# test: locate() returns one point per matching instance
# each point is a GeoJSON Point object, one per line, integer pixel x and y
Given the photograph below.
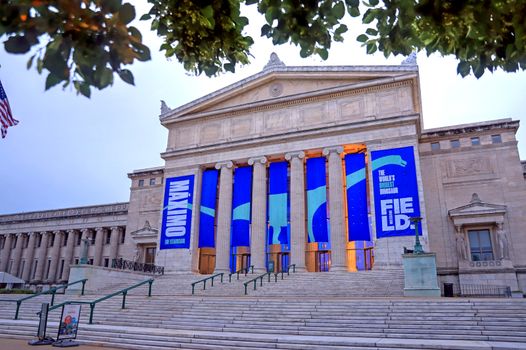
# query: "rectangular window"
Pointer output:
{"type": "Point", "coordinates": [455, 143]}
{"type": "Point", "coordinates": [79, 238]}
{"type": "Point", "coordinates": [141, 183]}
{"type": "Point", "coordinates": [61, 268]}
{"type": "Point", "coordinates": [90, 262]}
{"type": "Point", "coordinates": [39, 241]}
{"type": "Point", "coordinates": [152, 182]}
{"type": "Point", "coordinates": [13, 242]}
{"type": "Point", "coordinates": [475, 141]}
{"type": "Point", "coordinates": [123, 236]}
{"type": "Point", "coordinates": [435, 146]}
{"type": "Point", "coordinates": [108, 237]}
{"type": "Point", "coordinates": [480, 245]}
{"type": "Point", "coordinates": [26, 242]}
{"type": "Point", "coordinates": [47, 270]}
{"type": "Point", "coordinates": [496, 139]}
{"type": "Point", "coordinates": [2, 242]}
{"type": "Point", "coordinates": [76, 261]}
{"type": "Point", "coordinates": [34, 269]}
{"type": "Point", "coordinates": [106, 262]}
{"type": "Point", "coordinates": [51, 241]}
{"type": "Point", "coordinates": [65, 241]}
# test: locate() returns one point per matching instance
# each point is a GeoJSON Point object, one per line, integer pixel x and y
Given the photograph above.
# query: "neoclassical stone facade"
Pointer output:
{"type": "Point", "coordinates": [268, 172]}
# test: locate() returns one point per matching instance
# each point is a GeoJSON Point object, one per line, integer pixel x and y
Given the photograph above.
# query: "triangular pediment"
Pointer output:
{"type": "Point", "coordinates": [476, 207]}
{"type": "Point", "coordinates": [147, 232]}
{"type": "Point", "coordinates": [277, 84]}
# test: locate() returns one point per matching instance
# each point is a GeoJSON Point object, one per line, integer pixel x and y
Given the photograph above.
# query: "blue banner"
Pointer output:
{"type": "Point", "coordinates": [357, 216]}
{"type": "Point", "coordinates": [207, 213]}
{"type": "Point", "coordinates": [240, 234]}
{"type": "Point", "coordinates": [395, 191]}
{"type": "Point", "coordinates": [317, 200]}
{"type": "Point", "coordinates": [278, 204]}
{"type": "Point", "coordinates": [177, 212]}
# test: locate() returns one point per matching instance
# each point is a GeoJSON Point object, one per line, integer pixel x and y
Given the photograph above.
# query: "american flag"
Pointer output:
{"type": "Point", "coordinates": [6, 117]}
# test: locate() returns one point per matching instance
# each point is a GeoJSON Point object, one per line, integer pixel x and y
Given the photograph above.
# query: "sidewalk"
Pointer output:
{"type": "Point", "coordinates": [21, 344]}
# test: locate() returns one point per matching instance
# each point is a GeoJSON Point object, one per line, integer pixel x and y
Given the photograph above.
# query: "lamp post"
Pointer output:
{"type": "Point", "coordinates": [418, 247]}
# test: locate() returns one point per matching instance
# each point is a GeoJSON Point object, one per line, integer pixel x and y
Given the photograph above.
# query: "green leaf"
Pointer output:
{"type": "Point", "coordinates": [145, 17]}
{"type": "Point", "coordinates": [17, 44]}
{"type": "Point", "coordinates": [251, 2]}
{"type": "Point", "coordinates": [265, 30]}
{"type": "Point", "coordinates": [371, 31]}
{"type": "Point", "coordinates": [208, 12]}
{"type": "Point", "coordinates": [354, 11]}
{"type": "Point", "coordinates": [85, 89]}
{"type": "Point", "coordinates": [338, 10]}
{"type": "Point", "coordinates": [353, 3]}
{"type": "Point", "coordinates": [463, 68]}
{"type": "Point", "coordinates": [341, 29]}
{"type": "Point", "coordinates": [371, 48]}
{"type": "Point", "coordinates": [362, 38]}
{"type": "Point", "coordinates": [127, 13]}
{"type": "Point", "coordinates": [106, 78]}
{"type": "Point", "coordinates": [126, 76]}
{"type": "Point", "coordinates": [478, 71]}
{"type": "Point", "coordinates": [323, 53]}
{"type": "Point", "coordinates": [230, 67]}
{"type": "Point", "coordinates": [368, 17]}
{"type": "Point", "coordinates": [52, 80]}
{"type": "Point", "coordinates": [111, 5]}
{"type": "Point", "coordinates": [30, 62]}
{"type": "Point", "coordinates": [373, 2]}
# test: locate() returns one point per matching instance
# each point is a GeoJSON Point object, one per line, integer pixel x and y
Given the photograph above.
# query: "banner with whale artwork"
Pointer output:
{"type": "Point", "coordinates": [207, 212]}
{"type": "Point", "coordinates": [278, 204]}
{"type": "Point", "coordinates": [317, 227]}
{"type": "Point", "coordinates": [242, 197]}
{"type": "Point", "coordinates": [357, 216]}
{"type": "Point", "coordinates": [177, 212]}
{"type": "Point", "coordinates": [395, 191]}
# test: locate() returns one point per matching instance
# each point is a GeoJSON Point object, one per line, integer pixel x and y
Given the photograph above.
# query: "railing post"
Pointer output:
{"type": "Point", "coordinates": [18, 303]}
{"type": "Point", "coordinates": [245, 288]}
{"type": "Point", "coordinates": [212, 284]}
{"type": "Point", "coordinates": [92, 307]}
{"type": "Point", "coordinates": [222, 277]}
{"type": "Point", "coordinates": [124, 299]}
{"type": "Point", "coordinates": [83, 284]}
{"type": "Point", "coordinates": [255, 282]}
{"type": "Point", "coordinates": [150, 282]}
{"type": "Point", "coordinates": [275, 277]}
{"type": "Point", "coordinates": [204, 285]}
{"type": "Point", "coordinates": [193, 285]}
{"type": "Point", "coordinates": [268, 278]}
{"type": "Point", "coordinates": [229, 278]}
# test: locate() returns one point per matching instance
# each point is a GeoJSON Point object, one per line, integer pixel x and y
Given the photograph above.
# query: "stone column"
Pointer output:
{"type": "Point", "coordinates": [17, 255]}
{"type": "Point", "coordinates": [258, 232]}
{"type": "Point", "coordinates": [84, 250]}
{"type": "Point", "coordinates": [29, 256]}
{"type": "Point", "coordinates": [97, 258]}
{"type": "Point", "coordinates": [297, 209]}
{"type": "Point", "coordinates": [224, 217]}
{"type": "Point", "coordinates": [6, 252]}
{"type": "Point", "coordinates": [337, 228]}
{"type": "Point", "coordinates": [55, 256]}
{"type": "Point", "coordinates": [70, 248]}
{"type": "Point", "coordinates": [42, 255]}
{"type": "Point", "coordinates": [114, 242]}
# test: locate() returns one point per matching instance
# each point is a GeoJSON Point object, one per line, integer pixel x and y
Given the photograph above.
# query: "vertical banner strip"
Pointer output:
{"type": "Point", "coordinates": [355, 184]}
{"type": "Point", "coordinates": [241, 207]}
{"type": "Point", "coordinates": [177, 212]}
{"type": "Point", "coordinates": [395, 191]}
{"type": "Point", "coordinates": [207, 212]}
{"type": "Point", "coordinates": [317, 200]}
{"type": "Point", "coordinates": [278, 204]}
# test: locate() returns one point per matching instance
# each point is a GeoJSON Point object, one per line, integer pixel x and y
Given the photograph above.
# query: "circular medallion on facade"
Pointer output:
{"type": "Point", "coordinates": [276, 89]}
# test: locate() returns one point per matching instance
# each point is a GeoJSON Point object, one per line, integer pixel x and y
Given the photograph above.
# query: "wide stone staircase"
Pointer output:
{"type": "Point", "coordinates": [302, 311]}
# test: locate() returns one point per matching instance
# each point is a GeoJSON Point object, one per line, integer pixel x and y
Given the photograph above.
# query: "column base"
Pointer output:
{"type": "Point", "coordinates": [338, 269]}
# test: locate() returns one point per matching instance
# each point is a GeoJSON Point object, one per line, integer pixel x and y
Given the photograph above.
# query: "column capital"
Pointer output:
{"type": "Point", "coordinates": [72, 231]}
{"type": "Point", "coordinates": [334, 149]}
{"type": "Point", "coordinates": [115, 228]}
{"type": "Point", "coordinates": [44, 233]}
{"type": "Point", "coordinates": [224, 164]}
{"type": "Point", "coordinates": [295, 154]}
{"type": "Point", "coordinates": [254, 160]}
{"type": "Point", "coordinates": [57, 232]}
{"type": "Point", "coordinates": [99, 229]}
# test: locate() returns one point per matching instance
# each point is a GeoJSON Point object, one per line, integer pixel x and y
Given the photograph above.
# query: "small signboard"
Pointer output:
{"type": "Point", "coordinates": [69, 323]}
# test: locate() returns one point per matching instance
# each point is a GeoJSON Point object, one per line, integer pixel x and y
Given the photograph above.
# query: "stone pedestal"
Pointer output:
{"type": "Point", "coordinates": [420, 275]}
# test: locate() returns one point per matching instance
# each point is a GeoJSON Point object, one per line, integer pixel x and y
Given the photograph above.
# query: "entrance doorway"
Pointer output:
{"type": "Point", "coordinates": [282, 262]}
{"type": "Point", "coordinates": [149, 255]}
{"type": "Point", "coordinates": [323, 260]}
{"type": "Point", "coordinates": [207, 260]}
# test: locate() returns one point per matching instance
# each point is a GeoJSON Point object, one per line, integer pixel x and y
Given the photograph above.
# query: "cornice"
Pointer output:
{"type": "Point", "coordinates": [67, 213]}
{"type": "Point", "coordinates": [297, 99]}
{"type": "Point", "coordinates": [292, 71]}
{"type": "Point", "coordinates": [498, 124]}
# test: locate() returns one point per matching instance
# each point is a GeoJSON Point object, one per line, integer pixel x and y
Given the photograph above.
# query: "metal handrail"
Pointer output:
{"type": "Point", "coordinates": [243, 270]}
{"type": "Point", "coordinates": [123, 264]}
{"type": "Point", "coordinates": [92, 304]}
{"type": "Point", "coordinates": [260, 277]}
{"type": "Point", "coordinates": [206, 279]}
{"type": "Point", "coordinates": [51, 291]}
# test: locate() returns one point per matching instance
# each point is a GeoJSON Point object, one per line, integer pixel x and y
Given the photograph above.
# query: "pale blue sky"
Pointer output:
{"type": "Point", "coordinates": [71, 151]}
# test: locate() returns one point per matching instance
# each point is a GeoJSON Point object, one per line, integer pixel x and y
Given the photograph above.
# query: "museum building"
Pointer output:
{"type": "Point", "coordinates": [327, 168]}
